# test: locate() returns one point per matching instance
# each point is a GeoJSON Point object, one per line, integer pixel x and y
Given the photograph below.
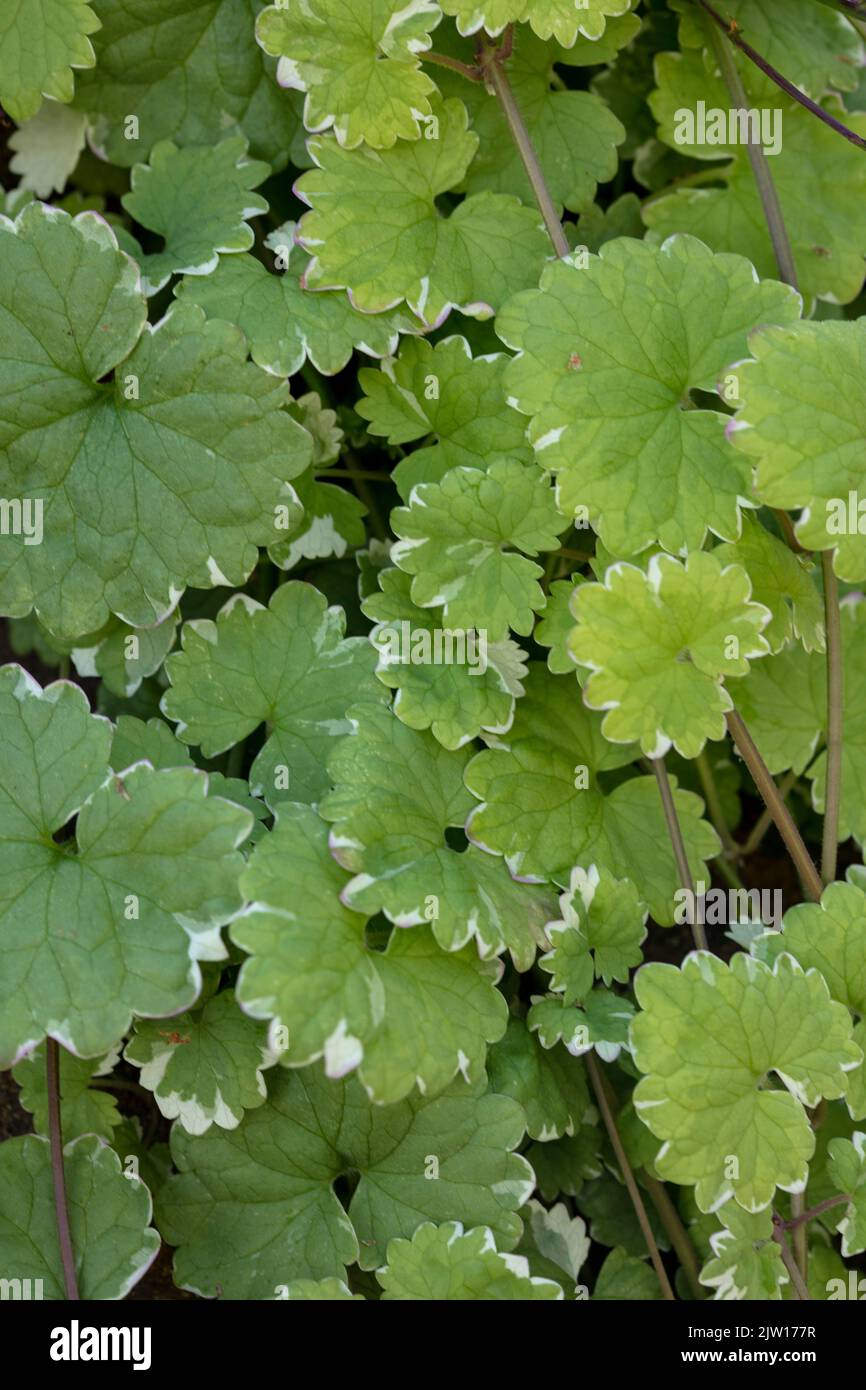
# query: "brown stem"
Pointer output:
{"type": "Point", "coordinates": [55, 1139]}
{"type": "Point", "coordinates": [833, 627]}
{"type": "Point", "coordinates": [678, 845]}
{"type": "Point", "coordinates": [782, 817]}
{"type": "Point", "coordinates": [787, 527]}
{"type": "Point", "coordinates": [788, 1260]}
{"type": "Point", "coordinates": [676, 1231]}
{"type": "Point", "coordinates": [802, 1217]}
{"type": "Point", "coordinates": [474, 74]}
{"type": "Point", "coordinates": [765, 820]}
{"type": "Point", "coordinates": [625, 1168]}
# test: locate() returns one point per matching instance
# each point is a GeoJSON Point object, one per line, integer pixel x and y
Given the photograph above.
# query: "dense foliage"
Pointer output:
{"type": "Point", "coordinates": [433, 472]}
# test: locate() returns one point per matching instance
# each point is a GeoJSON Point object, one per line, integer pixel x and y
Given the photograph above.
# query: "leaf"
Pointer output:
{"type": "Point", "coordinates": [287, 666]}
{"type": "Point", "coordinates": [601, 1024]}
{"type": "Point", "coordinates": [552, 764]}
{"type": "Point", "coordinates": [598, 935]}
{"type": "Point", "coordinates": [554, 1242]}
{"type": "Point", "coordinates": [819, 179]}
{"type": "Point", "coordinates": [47, 147]}
{"type": "Point", "coordinates": [376, 230]}
{"type": "Point", "coordinates": [443, 683]}
{"type": "Point", "coordinates": [562, 19]}
{"type": "Point", "coordinates": [782, 581]}
{"type": "Point", "coordinates": [453, 539]}
{"type": "Point", "coordinates": [254, 1207]}
{"type": "Point", "coordinates": [168, 62]}
{"type": "Point", "coordinates": [848, 1170]}
{"type": "Point", "coordinates": [122, 656]}
{"type": "Point", "coordinates": [109, 1218]}
{"type": "Point", "coordinates": [607, 357]}
{"type": "Point", "coordinates": [42, 43]}
{"type": "Point", "coordinates": [321, 1291]}
{"type": "Point", "coordinates": [829, 936]}
{"type": "Point", "coordinates": [205, 1067]}
{"type": "Point", "coordinates": [443, 1264]}
{"type": "Point", "coordinates": [624, 1276]}
{"type": "Point", "coordinates": [285, 325]}
{"type": "Point", "coordinates": [703, 1091]}
{"type": "Point", "coordinates": [83, 1111]}
{"type": "Point", "coordinates": [659, 644]}
{"type": "Point", "coordinates": [441, 389]}
{"type": "Point", "coordinates": [804, 422]}
{"type": "Point", "coordinates": [784, 703]}
{"type": "Point", "coordinates": [612, 1217]}
{"type": "Point", "coordinates": [188, 441]}
{"type": "Point", "coordinates": [549, 1086]}
{"type": "Point", "coordinates": [409, 1015]}
{"type": "Point", "coordinates": [198, 199]}
{"type": "Point", "coordinates": [563, 1164]}
{"type": "Point", "coordinates": [747, 1261]}
{"type": "Point", "coordinates": [147, 880]}
{"type": "Point", "coordinates": [390, 833]}
{"type": "Point", "coordinates": [555, 624]}
{"type": "Point", "coordinates": [358, 65]}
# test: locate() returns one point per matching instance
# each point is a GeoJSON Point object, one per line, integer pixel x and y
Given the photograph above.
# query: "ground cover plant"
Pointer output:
{"type": "Point", "coordinates": [433, 710]}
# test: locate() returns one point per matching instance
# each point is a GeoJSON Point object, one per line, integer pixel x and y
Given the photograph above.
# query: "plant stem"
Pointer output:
{"type": "Point", "coordinates": [728, 872]}
{"type": "Point", "coordinates": [782, 817]}
{"type": "Point", "coordinates": [494, 71]}
{"type": "Point", "coordinates": [733, 35]}
{"type": "Point", "coordinates": [787, 528]}
{"type": "Point", "coordinates": [757, 158]}
{"type": "Point", "coordinates": [356, 473]}
{"type": "Point", "coordinates": [55, 1138]}
{"type": "Point", "coordinates": [763, 824]}
{"type": "Point", "coordinates": [607, 1115]}
{"type": "Point", "coordinates": [817, 1210]}
{"type": "Point", "coordinates": [676, 839]}
{"type": "Point", "coordinates": [714, 802]}
{"type": "Point", "coordinates": [788, 1260]}
{"type": "Point", "coordinates": [369, 475]}
{"type": "Point", "coordinates": [443, 60]}
{"type": "Point", "coordinates": [799, 1233]}
{"type": "Point", "coordinates": [114, 1083]}
{"type": "Point", "coordinates": [833, 798]}
{"type": "Point", "coordinates": [677, 1233]}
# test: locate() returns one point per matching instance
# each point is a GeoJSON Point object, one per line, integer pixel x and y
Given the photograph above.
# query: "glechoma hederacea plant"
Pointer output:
{"type": "Point", "coordinates": [433, 528]}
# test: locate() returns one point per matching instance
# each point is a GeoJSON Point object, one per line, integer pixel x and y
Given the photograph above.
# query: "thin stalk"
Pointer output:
{"type": "Point", "coordinates": [628, 1176]}
{"type": "Point", "coordinates": [817, 1210]}
{"type": "Point", "coordinates": [494, 71]}
{"type": "Point", "coordinates": [443, 60]}
{"type": "Point", "coordinates": [676, 1232]}
{"type": "Point", "coordinates": [782, 817]}
{"type": "Point", "coordinates": [369, 475]}
{"type": "Point", "coordinates": [757, 158]}
{"type": "Point", "coordinates": [63, 668]}
{"type": "Point", "coordinates": [714, 803]}
{"type": "Point", "coordinates": [365, 495]}
{"type": "Point", "coordinates": [235, 760]}
{"type": "Point", "coordinates": [113, 1083]}
{"type": "Point", "coordinates": [55, 1139]}
{"type": "Point", "coordinates": [799, 1233]}
{"type": "Point", "coordinates": [787, 528]}
{"type": "Point", "coordinates": [788, 1260]}
{"type": "Point", "coordinates": [728, 872]}
{"type": "Point", "coordinates": [678, 845]}
{"type": "Point", "coordinates": [732, 33]}
{"type": "Point", "coordinates": [765, 820]}
{"type": "Point", "coordinates": [833, 628]}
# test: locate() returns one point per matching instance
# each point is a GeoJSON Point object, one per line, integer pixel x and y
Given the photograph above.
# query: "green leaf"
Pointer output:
{"type": "Point", "coordinates": [562, 19]}
{"type": "Point", "coordinates": [390, 832]}
{"type": "Point", "coordinates": [554, 1242]}
{"type": "Point", "coordinates": [444, 682]}
{"type": "Point", "coordinates": [188, 441]}
{"type": "Point", "coordinates": [412, 1014]}
{"type": "Point", "coordinates": [819, 179]}
{"type": "Point", "coordinates": [802, 418]}
{"type": "Point", "coordinates": [376, 230]}
{"type": "Point", "coordinates": [609, 349]}
{"type": "Point", "coordinates": [109, 1218]}
{"type": "Point", "coordinates": [287, 666]}
{"type": "Point", "coordinates": [612, 1216]}
{"type": "Point", "coordinates": [42, 42]}
{"type": "Point", "coordinates": [83, 1111]}
{"type": "Point", "coordinates": [660, 643]}
{"type": "Point", "coordinates": [829, 936]}
{"type": "Point", "coordinates": [709, 1036]}
{"type": "Point", "coordinates": [320, 1291]}
{"type": "Point", "coordinates": [453, 539]}
{"type": "Point", "coordinates": [168, 63]}
{"type": "Point", "coordinates": [625, 1277]}
{"type": "Point", "coordinates": [555, 624]}
{"type": "Point", "coordinates": [550, 1086]}
{"type": "Point", "coordinates": [146, 882]}
{"type": "Point", "coordinates": [285, 325]}
{"type": "Point", "coordinates": [198, 200]}
{"type": "Point", "coordinates": [747, 1261]}
{"type": "Point", "coordinates": [562, 1165]}
{"type": "Point", "coordinates": [205, 1067]}
{"type": "Point", "coordinates": [598, 935]}
{"type": "Point", "coordinates": [848, 1171]}
{"type": "Point", "coordinates": [47, 148]}
{"type": "Point", "coordinates": [443, 1264]}
{"type": "Point", "coordinates": [123, 656]}
{"type": "Point", "coordinates": [552, 764]}
{"type": "Point", "coordinates": [358, 65]}
{"type": "Point", "coordinates": [254, 1207]}
{"type": "Point", "coordinates": [601, 1024]}
{"type": "Point", "coordinates": [782, 581]}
